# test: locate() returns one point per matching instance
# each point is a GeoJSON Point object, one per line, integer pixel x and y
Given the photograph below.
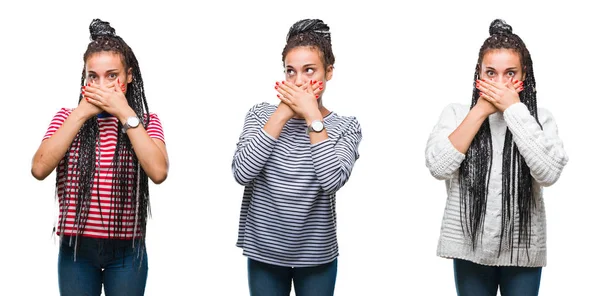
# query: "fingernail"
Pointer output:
{"type": "Point", "coordinates": [87, 99]}
{"type": "Point", "coordinates": [317, 96]}
{"type": "Point", "coordinates": [276, 87]}
{"type": "Point", "coordinates": [276, 82]}
{"type": "Point", "coordinates": [321, 88]}
{"type": "Point", "coordinates": [278, 96]}
{"type": "Point", "coordinates": [283, 82]}
{"type": "Point", "coordinates": [311, 82]}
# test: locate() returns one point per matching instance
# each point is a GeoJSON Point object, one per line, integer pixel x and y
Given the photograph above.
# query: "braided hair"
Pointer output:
{"type": "Point", "coordinates": [129, 190]}
{"type": "Point", "coordinates": [517, 197]}
{"type": "Point", "coordinates": [312, 33]}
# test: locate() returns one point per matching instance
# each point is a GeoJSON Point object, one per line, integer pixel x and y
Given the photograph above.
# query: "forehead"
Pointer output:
{"type": "Point", "coordinates": [501, 58]}
{"type": "Point", "coordinates": [104, 60]}
{"type": "Point", "coordinates": [302, 55]}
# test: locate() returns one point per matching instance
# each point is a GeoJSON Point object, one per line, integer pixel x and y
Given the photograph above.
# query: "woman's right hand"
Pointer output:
{"type": "Point", "coordinates": [485, 107]}
{"type": "Point", "coordinates": [87, 109]}
{"type": "Point", "coordinates": [488, 108]}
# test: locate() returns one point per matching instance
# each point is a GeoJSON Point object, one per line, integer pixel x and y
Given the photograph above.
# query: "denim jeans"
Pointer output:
{"type": "Point", "coordinates": [272, 280]}
{"type": "Point", "coordinates": [481, 280]}
{"type": "Point", "coordinates": [114, 263]}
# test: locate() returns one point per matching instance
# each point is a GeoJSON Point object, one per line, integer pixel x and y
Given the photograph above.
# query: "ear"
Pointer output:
{"type": "Point", "coordinates": [129, 75]}
{"type": "Point", "coordinates": [329, 72]}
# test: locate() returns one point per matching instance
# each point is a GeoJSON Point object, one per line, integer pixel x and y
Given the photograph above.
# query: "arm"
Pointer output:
{"type": "Point", "coordinates": [57, 141]}
{"type": "Point", "coordinates": [149, 147]}
{"type": "Point", "coordinates": [448, 144]}
{"type": "Point", "coordinates": [256, 143]}
{"type": "Point", "coordinates": [542, 149]}
{"type": "Point", "coordinates": [442, 158]}
{"type": "Point", "coordinates": [334, 161]}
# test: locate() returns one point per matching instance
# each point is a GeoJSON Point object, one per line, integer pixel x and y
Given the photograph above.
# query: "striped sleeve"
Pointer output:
{"type": "Point", "coordinates": [334, 161]}
{"type": "Point", "coordinates": [441, 157]}
{"type": "Point", "coordinates": [542, 149]}
{"type": "Point", "coordinates": [154, 128]}
{"type": "Point", "coordinates": [57, 122]}
{"type": "Point", "coordinates": [253, 148]}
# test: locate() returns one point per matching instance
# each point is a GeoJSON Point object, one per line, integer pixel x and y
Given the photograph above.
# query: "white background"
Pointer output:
{"type": "Point", "coordinates": [205, 65]}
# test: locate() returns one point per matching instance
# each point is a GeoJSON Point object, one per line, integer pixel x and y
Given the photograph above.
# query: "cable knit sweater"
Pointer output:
{"type": "Point", "coordinates": [544, 154]}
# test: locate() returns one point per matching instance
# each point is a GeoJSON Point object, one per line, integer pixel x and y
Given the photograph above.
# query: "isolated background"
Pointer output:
{"type": "Point", "coordinates": [204, 65]}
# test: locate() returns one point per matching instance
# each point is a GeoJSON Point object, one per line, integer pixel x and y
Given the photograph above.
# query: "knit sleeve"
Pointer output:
{"type": "Point", "coordinates": [334, 159]}
{"type": "Point", "coordinates": [441, 157]}
{"type": "Point", "coordinates": [541, 148]}
{"type": "Point", "coordinates": [253, 147]}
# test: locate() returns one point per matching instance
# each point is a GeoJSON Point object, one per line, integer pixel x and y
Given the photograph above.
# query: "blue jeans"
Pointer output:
{"type": "Point", "coordinates": [481, 280]}
{"type": "Point", "coordinates": [272, 280]}
{"type": "Point", "coordinates": [101, 261]}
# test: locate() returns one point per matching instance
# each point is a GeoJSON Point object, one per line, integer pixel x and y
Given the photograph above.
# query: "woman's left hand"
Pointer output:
{"type": "Point", "coordinates": [302, 99]}
{"type": "Point", "coordinates": [110, 98]}
{"type": "Point", "coordinates": [502, 96]}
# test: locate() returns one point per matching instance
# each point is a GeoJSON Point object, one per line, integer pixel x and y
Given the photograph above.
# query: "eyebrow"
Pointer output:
{"type": "Point", "coordinates": [108, 71]}
{"type": "Point", "coordinates": [507, 69]}
{"type": "Point", "coordinates": [307, 65]}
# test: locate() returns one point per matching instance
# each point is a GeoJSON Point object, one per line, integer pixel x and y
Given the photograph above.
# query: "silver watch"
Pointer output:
{"type": "Point", "coordinates": [315, 126]}
{"type": "Point", "coordinates": [132, 122]}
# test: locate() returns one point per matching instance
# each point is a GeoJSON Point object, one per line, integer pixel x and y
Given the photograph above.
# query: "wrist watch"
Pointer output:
{"type": "Point", "coordinates": [315, 126]}
{"type": "Point", "coordinates": [132, 122]}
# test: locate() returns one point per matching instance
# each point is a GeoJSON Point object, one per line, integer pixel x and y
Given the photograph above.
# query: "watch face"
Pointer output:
{"type": "Point", "coordinates": [133, 121]}
{"type": "Point", "coordinates": [317, 126]}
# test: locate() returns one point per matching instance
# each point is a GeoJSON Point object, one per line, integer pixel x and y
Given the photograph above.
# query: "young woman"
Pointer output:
{"type": "Point", "coordinates": [496, 156]}
{"type": "Point", "coordinates": [104, 150]}
{"type": "Point", "coordinates": [292, 158]}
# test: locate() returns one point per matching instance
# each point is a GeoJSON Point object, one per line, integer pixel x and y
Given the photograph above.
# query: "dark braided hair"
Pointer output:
{"type": "Point", "coordinates": [517, 197]}
{"type": "Point", "coordinates": [312, 33]}
{"type": "Point", "coordinates": [129, 190]}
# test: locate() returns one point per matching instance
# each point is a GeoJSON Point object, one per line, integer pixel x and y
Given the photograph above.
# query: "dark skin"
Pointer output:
{"type": "Point", "coordinates": [499, 86]}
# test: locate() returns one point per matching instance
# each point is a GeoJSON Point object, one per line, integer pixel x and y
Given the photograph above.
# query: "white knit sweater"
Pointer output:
{"type": "Point", "coordinates": [544, 154]}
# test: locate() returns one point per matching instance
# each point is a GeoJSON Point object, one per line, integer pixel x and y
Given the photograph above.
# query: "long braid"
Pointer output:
{"type": "Point", "coordinates": [79, 169]}
{"type": "Point", "coordinates": [517, 196]}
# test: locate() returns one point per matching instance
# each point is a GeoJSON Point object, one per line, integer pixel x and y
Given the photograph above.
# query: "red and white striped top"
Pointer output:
{"type": "Point", "coordinates": [99, 216]}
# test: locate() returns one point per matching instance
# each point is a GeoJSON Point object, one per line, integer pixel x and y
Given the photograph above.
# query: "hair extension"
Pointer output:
{"type": "Point", "coordinates": [129, 190]}
{"type": "Point", "coordinates": [312, 33]}
{"type": "Point", "coordinates": [517, 197]}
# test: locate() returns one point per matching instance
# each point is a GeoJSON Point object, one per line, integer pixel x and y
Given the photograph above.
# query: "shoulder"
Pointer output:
{"type": "Point", "coordinates": [456, 108]}
{"type": "Point", "coordinates": [262, 110]}
{"type": "Point", "coordinates": [343, 123]}
{"type": "Point", "coordinates": [454, 112]}
{"type": "Point", "coordinates": [544, 114]}
{"type": "Point", "coordinates": [62, 114]}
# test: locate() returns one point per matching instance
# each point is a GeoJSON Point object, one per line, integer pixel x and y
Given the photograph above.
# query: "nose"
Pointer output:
{"type": "Point", "coordinates": [299, 81]}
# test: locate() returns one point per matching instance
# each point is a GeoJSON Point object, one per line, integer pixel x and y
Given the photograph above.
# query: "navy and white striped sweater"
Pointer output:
{"type": "Point", "coordinates": [288, 213]}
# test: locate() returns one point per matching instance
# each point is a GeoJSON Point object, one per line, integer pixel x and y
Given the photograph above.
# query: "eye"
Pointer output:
{"type": "Point", "coordinates": [92, 76]}
{"type": "Point", "coordinates": [290, 72]}
{"type": "Point", "coordinates": [489, 73]}
{"type": "Point", "coordinates": [309, 70]}
{"type": "Point", "coordinates": [511, 73]}
{"type": "Point", "coordinates": [112, 75]}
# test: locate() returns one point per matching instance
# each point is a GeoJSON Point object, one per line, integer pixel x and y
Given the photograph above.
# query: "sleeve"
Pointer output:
{"type": "Point", "coordinates": [334, 161]}
{"type": "Point", "coordinates": [154, 129]}
{"type": "Point", "coordinates": [253, 148]}
{"type": "Point", "coordinates": [441, 157]}
{"type": "Point", "coordinates": [57, 122]}
{"type": "Point", "coordinates": [541, 148]}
